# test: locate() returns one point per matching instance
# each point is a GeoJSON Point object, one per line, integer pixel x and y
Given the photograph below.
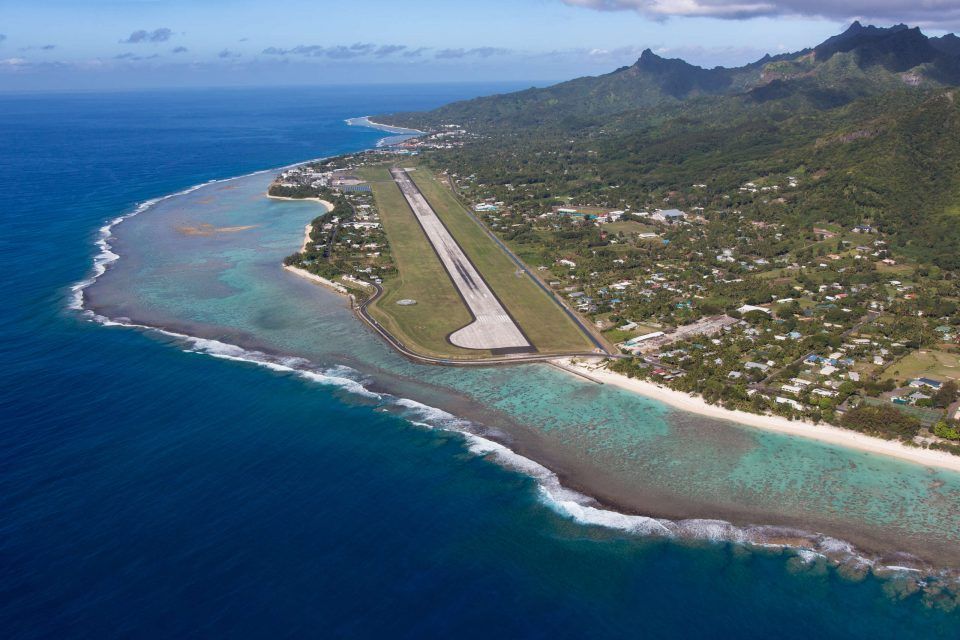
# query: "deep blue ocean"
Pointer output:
{"type": "Point", "coordinates": [148, 492]}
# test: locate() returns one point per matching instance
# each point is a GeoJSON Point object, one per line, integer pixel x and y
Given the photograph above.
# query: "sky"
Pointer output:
{"type": "Point", "coordinates": [119, 44]}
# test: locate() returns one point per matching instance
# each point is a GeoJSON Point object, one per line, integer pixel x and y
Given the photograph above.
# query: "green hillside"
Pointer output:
{"type": "Point", "coordinates": [868, 119]}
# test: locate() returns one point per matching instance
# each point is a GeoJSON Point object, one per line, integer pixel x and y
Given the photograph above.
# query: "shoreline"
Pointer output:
{"type": "Point", "coordinates": [325, 203]}
{"type": "Point", "coordinates": [308, 229]}
{"type": "Point", "coordinates": [365, 121]}
{"type": "Point", "coordinates": [303, 273]}
{"type": "Point", "coordinates": [819, 432]}
{"type": "Point", "coordinates": [312, 277]}
{"type": "Point", "coordinates": [602, 510]}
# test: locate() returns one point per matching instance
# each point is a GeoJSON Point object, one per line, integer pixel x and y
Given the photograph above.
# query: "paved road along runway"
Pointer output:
{"type": "Point", "coordinates": [492, 327]}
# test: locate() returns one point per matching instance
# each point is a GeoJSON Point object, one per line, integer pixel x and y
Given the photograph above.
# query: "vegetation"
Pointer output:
{"type": "Point", "coordinates": [820, 189]}
{"type": "Point", "coordinates": [947, 430]}
{"type": "Point", "coordinates": [439, 310]}
{"type": "Point", "coordinates": [813, 272]}
{"type": "Point", "coordinates": [298, 192]}
{"type": "Point", "coordinates": [882, 421]}
{"type": "Point", "coordinates": [933, 363]}
{"type": "Point", "coordinates": [546, 326]}
{"type": "Point", "coordinates": [946, 395]}
{"type": "Point", "coordinates": [867, 119]}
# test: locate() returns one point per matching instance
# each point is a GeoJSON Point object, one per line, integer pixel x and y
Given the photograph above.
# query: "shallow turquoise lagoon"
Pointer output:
{"type": "Point", "coordinates": [631, 453]}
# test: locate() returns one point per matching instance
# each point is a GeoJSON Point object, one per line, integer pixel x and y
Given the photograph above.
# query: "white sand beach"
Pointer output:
{"type": "Point", "coordinates": [822, 432]}
{"type": "Point", "coordinates": [307, 230]}
{"type": "Point", "coordinates": [325, 203]}
{"type": "Point", "coordinates": [329, 284]}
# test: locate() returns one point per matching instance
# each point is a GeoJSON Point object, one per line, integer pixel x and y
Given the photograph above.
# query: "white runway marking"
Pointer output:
{"type": "Point", "coordinates": [492, 327]}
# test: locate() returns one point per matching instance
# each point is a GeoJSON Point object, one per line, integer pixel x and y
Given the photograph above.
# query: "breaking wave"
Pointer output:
{"type": "Point", "coordinates": [808, 547]}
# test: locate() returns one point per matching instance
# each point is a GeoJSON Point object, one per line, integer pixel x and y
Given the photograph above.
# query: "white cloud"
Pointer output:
{"type": "Point", "coordinates": [923, 12]}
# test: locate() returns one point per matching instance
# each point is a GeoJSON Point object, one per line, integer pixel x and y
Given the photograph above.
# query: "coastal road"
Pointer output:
{"type": "Point", "coordinates": [492, 327]}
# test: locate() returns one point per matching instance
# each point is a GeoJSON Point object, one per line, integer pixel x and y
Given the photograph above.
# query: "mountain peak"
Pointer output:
{"type": "Point", "coordinates": [864, 60]}
{"type": "Point", "coordinates": [647, 57]}
{"type": "Point", "coordinates": [649, 61]}
{"type": "Point", "coordinates": [896, 42]}
{"type": "Point", "coordinates": [949, 44]}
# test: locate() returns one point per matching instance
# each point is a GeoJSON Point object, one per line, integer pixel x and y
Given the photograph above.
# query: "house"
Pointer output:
{"type": "Point", "coordinates": [647, 336]}
{"type": "Point", "coordinates": [670, 216]}
{"type": "Point", "coordinates": [929, 383]}
{"type": "Point", "coordinates": [793, 403]}
{"type": "Point", "coordinates": [747, 308]}
{"type": "Point", "coordinates": [756, 365]}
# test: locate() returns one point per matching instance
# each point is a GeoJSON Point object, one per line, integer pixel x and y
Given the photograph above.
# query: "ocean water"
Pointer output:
{"type": "Point", "coordinates": [307, 482]}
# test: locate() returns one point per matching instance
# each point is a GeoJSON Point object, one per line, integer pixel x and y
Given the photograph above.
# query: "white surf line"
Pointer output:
{"type": "Point", "coordinates": [365, 121]}
{"type": "Point", "coordinates": [492, 328]}
{"type": "Point", "coordinates": [107, 257]}
{"type": "Point", "coordinates": [571, 504]}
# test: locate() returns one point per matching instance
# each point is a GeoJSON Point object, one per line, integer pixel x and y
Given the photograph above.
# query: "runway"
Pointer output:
{"type": "Point", "coordinates": [492, 327]}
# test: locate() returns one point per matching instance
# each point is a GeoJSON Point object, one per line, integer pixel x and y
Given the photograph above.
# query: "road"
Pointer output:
{"type": "Point", "coordinates": [599, 344]}
{"type": "Point", "coordinates": [492, 327]}
{"type": "Point", "coordinates": [401, 348]}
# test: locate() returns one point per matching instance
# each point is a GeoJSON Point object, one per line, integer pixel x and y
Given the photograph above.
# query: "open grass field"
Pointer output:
{"type": "Point", "coordinates": [628, 227]}
{"type": "Point", "coordinates": [929, 363]}
{"type": "Point", "coordinates": [903, 270]}
{"type": "Point", "coordinates": [422, 327]}
{"type": "Point", "coordinates": [617, 335]}
{"type": "Point", "coordinates": [547, 327]}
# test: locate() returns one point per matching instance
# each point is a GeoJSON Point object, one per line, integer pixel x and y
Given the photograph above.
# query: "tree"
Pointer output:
{"type": "Point", "coordinates": [945, 396]}
{"type": "Point", "coordinates": [944, 429]}
{"type": "Point", "coordinates": [884, 421]}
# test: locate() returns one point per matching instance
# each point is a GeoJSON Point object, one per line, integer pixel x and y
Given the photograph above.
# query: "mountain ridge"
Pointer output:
{"type": "Point", "coordinates": [860, 61]}
{"type": "Point", "coordinates": [872, 113]}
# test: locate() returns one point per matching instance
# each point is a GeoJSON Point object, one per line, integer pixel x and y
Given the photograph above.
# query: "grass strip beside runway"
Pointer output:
{"type": "Point", "coordinates": [547, 327]}
{"type": "Point", "coordinates": [439, 310]}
